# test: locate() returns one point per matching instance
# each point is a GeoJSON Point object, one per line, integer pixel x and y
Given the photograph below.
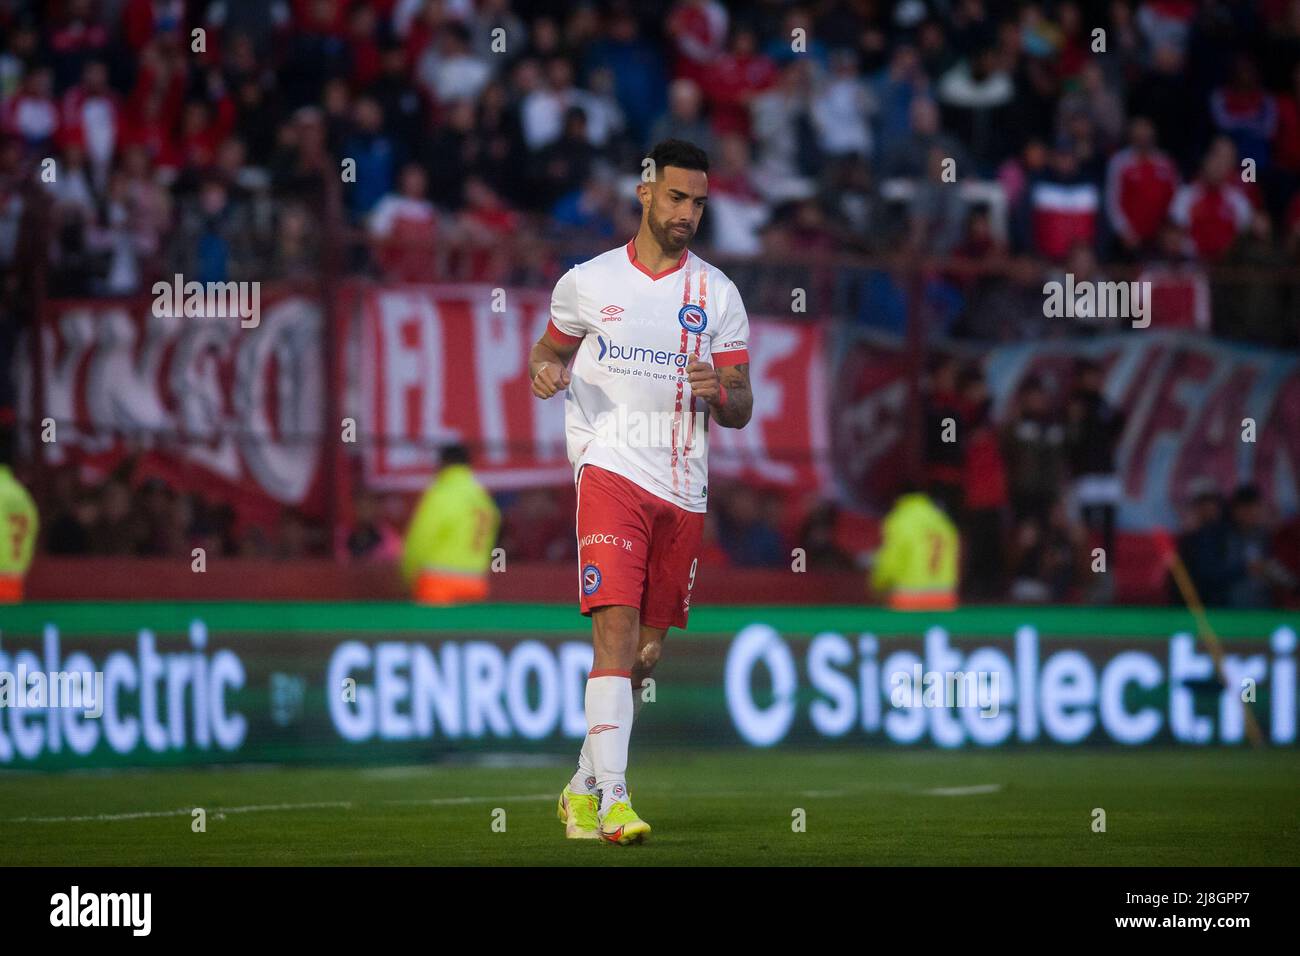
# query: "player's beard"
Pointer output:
{"type": "Point", "coordinates": [669, 240]}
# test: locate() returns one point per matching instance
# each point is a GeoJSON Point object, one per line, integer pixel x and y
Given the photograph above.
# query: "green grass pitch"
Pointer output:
{"type": "Point", "coordinates": [730, 807]}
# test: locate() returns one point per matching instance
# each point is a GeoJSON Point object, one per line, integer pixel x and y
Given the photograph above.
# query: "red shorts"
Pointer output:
{"type": "Point", "coordinates": [635, 549]}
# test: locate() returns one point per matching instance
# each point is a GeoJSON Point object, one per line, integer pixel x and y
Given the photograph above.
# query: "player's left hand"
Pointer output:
{"type": "Point", "coordinates": [703, 379]}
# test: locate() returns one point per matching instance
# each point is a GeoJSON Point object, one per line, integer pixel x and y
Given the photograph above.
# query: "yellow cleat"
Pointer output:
{"type": "Point", "coordinates": [577, 811]}
{"type": "Point", "coordinates": [621, 825]}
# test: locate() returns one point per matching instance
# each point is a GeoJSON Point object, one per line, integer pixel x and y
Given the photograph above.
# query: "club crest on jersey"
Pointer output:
{"type": "Point", "coordinates": [693, 318]}
{"type": "Point", "coordinates": [590, 579]}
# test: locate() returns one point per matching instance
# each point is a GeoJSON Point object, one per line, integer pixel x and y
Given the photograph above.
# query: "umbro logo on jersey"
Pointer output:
{"type": "Point", "coordinates": [612, 313]}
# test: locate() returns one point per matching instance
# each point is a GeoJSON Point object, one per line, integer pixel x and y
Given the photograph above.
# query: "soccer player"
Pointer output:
{"type": "Point", "coordinates": [659, 342]}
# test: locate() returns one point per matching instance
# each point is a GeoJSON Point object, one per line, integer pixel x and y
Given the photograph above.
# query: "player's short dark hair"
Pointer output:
{"type": "Point", "coordinates": [679, 153]}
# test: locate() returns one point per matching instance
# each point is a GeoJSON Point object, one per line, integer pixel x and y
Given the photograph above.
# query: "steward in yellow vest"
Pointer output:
{"type": "Point", "coordinates": [916, 566]}
{"type": "Point", "coordinates": [19, 523]}
{"type": "Point", "coordinates": [448, 545]}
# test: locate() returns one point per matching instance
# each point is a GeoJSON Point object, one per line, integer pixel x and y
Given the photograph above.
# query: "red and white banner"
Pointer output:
{"type": "Point", "coordinates": [1186, 399]}
{"type": "Point", "coordinates": [787, 441]}
{"type": "Point", "coordinates": [441, 364]}
{"type": "Point", "coordinates": [201, 402]}
{"type": "Point", "coordinates": [1195, 408]}
{"type": "Point", "coordinates": [450, 364]}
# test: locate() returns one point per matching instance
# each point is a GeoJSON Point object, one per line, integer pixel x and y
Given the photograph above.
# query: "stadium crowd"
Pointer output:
{"type": "Point", "coordinates": [481, 126]}
{"type": "Point", "coordinates": [495, 139]}
{"type": "Point", "coordinates": [1006, 490]}
{"type": "Point", "coordinates": [1034, 493]}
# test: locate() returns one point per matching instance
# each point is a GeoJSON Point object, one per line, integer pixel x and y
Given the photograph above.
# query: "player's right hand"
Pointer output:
{"type": "Point", "coordinates": [550, 378]}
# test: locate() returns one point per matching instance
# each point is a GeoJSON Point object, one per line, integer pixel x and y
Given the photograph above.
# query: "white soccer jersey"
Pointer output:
{"type": "Point", "coordinates": [629, 407]}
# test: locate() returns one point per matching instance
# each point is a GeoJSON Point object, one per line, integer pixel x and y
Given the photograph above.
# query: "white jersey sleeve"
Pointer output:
{"type": "Point", "coordinates": [566, 324]}
{"type": "Point", "coordinates": [729, 344]}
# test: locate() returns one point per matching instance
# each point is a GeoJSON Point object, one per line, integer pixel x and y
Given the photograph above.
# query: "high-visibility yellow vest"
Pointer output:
{"type": "Point", "coordinates": [453, 530]}
{"type": "Point", "coordinates": [19, 522]}
{"type": "Point", "coordinates": [917, 560]}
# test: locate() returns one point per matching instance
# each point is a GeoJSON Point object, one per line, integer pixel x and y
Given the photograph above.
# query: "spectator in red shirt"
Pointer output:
{"type": "Point", "coordinates": [204, 127]}
{"type": "Point", "coordinates": [404, 226]}
{"type": "Point", "coordinates": [365, 48]}
{"type": "Point", "coordinates": [32, 114]}
{"type": "Point", "coordinates": [486, 225]}
{"type": "Point", "coordinates": [92, 117]}
{"type": "Point", "coordinates": [149, 129]}
{"type": "Point", "coordinates": [143, 20]}
{"type": "Point", "coordinates": [1140, 185]}
{"type": "Point", "coordinates": [1063, 204]}
{"type": "Point", "coordinates": [698, 30]}
{"type": "Point", "coordinates": [1213, 210]}
{"type": "Point", "coordinates": [76, 36]}
{"type": "Point", "coordinates": [736, 204]}
{"type": "Point", "coordinates": [733, 80]}
{"type": "Point", "coordinates": [325, 16]}
{"type": "Point", "coordinates": [154, 106]}
{"type": "Point", "coordinates": [1073, 51]}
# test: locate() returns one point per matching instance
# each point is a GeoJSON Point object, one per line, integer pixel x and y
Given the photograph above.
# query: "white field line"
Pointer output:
{"type": "Point", "coordinates": [975, 790]}
{"type": "Point", "coordinates": [503, 761]}
{"type": "Point", "coordinates": [184, 812]}
{"type": "Point", "coordinates": [396, 773]}
{"type": "Point", "coordinates": [963, 791]}
{"type": "Point", "coordinates": [456, 801]}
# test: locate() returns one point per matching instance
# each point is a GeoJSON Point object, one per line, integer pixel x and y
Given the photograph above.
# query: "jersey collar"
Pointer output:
{"type": "Point", "coordinates": [631, 257]}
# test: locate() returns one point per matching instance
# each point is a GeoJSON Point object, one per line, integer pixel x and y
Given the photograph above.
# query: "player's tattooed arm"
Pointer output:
{"type": "Point", "coordinates": [726, 390]}
{"type": "Point", "coordinates": [738, 404]}
{"type": "Point", "coordinates": [548, 365]}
